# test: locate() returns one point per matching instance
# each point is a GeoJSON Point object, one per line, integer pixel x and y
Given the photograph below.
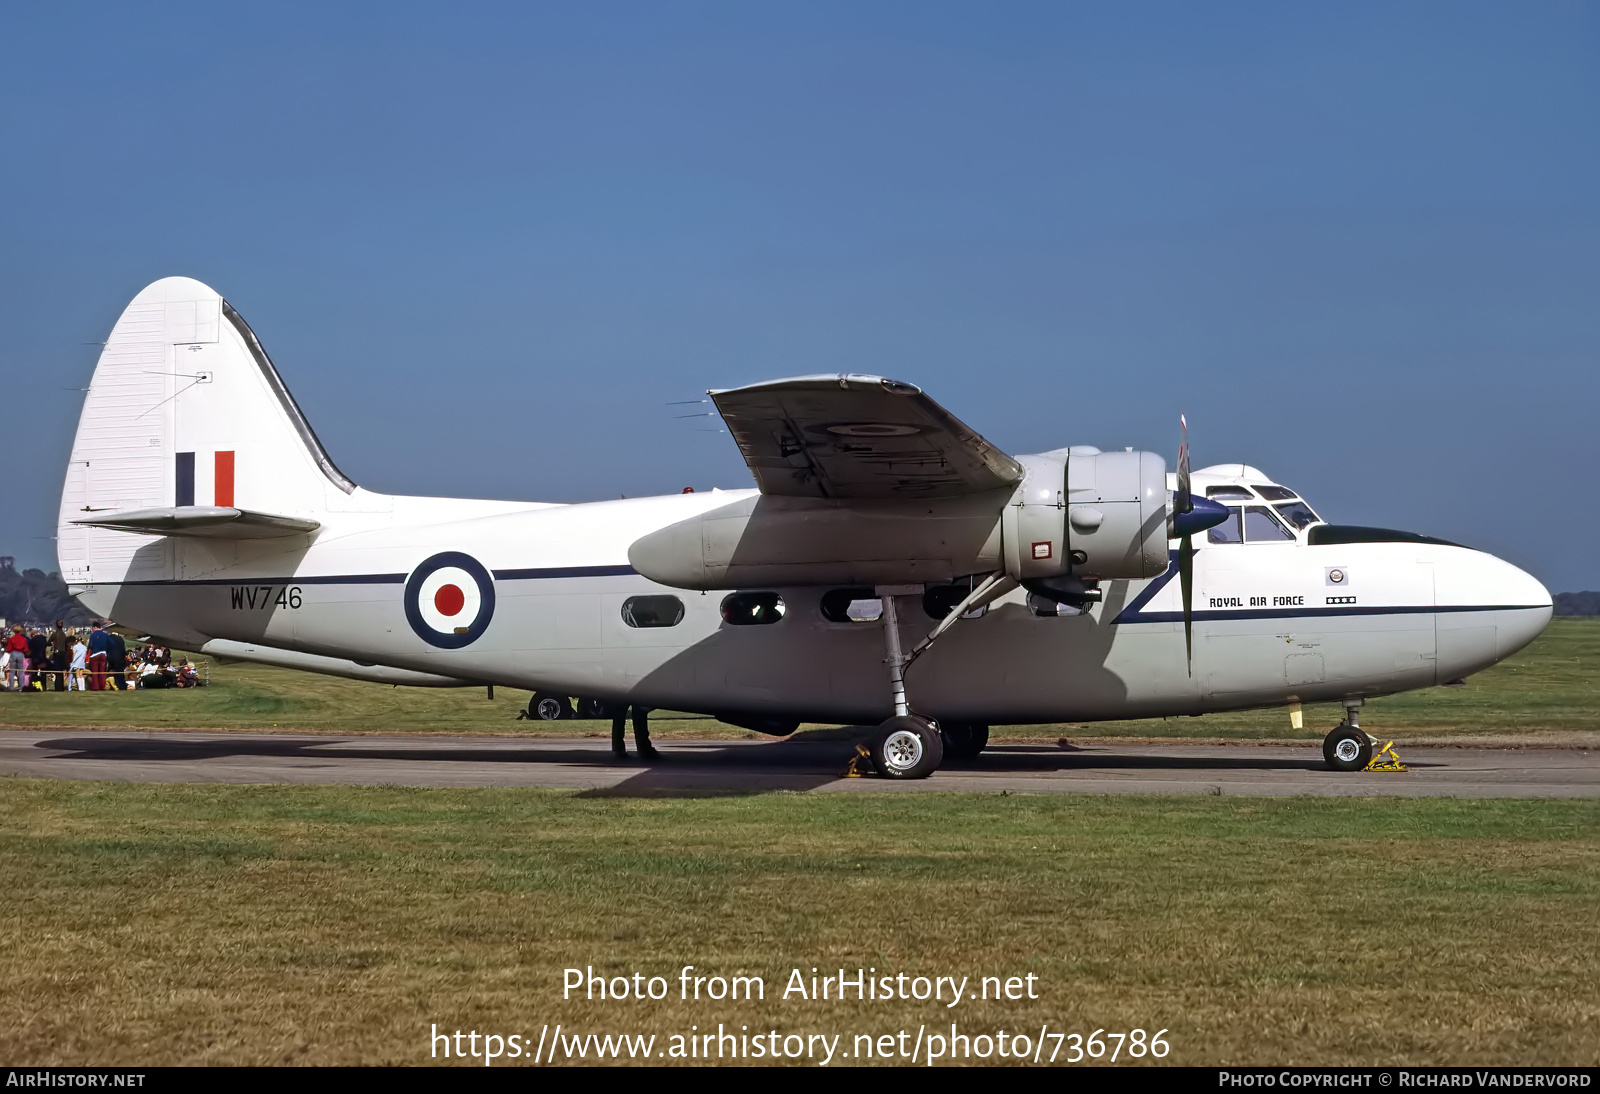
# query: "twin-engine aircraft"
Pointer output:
{"type": "Point", "coordinates": [892, 568]}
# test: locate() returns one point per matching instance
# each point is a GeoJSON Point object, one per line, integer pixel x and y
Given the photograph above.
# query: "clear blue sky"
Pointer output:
{"type": "Point", "coordinates": [488, 244]}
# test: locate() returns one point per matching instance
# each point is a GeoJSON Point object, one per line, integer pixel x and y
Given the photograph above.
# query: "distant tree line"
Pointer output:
{"type": "Point", "coordinates": [33, 596]}
{"type": "Point", "coordinates": [1585, 603]}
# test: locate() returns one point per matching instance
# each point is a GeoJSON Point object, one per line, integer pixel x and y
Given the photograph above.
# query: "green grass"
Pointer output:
{"type": "Point", "coordinates": [1552, 687]}
{"type": "Point", "coordinates": [149, 924]}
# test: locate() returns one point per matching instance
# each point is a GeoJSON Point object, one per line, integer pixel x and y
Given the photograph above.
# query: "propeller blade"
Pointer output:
{"type": "Point", "coordinates": [1185, 497]}
{"type": "Point", "coordinates": [1186, 583]}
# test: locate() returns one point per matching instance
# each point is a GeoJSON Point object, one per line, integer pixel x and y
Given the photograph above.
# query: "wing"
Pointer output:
{"type": "Point", "coordinates": [209, 521]}
{"type": "Point", "coordinates": [849, 436]}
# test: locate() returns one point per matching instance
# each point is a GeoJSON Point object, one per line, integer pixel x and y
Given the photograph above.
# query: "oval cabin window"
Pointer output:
{"type": "Point", "coordinates": [851, 606]}
{"type": "Point", "coordinates": [752, 609]}
{"type": "Point", "coordinates": [652, 611]}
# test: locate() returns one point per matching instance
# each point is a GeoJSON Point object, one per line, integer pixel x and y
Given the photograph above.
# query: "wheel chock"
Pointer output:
{"type": "Point", "coordinates": [1386, 759]}
{"type": "Point", "coordinates": [860, 764]}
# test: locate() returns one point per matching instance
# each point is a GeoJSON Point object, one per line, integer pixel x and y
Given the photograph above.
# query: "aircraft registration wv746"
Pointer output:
{"type": "Point", "coordinates": [891, 568]}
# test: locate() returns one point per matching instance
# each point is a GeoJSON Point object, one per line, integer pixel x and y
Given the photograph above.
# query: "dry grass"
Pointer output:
{"type": "Point", "coordinates": [149, 924]}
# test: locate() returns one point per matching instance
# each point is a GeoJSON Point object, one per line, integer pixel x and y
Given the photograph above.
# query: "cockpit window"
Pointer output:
{"type": "Point", "coordinates": [1228, 531]}
{"type": "Point", "coordinates": [1298, 513]}
{"type": "Point", "coordinates": [1230, 493]}
{"type": "Point", "coordinates": [1260, 526]}
{"type": "Point", "coordinates": [1275, 493]}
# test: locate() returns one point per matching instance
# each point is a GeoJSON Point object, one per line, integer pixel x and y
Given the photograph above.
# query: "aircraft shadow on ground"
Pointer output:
{"type": "Point", "coordinates": [683, 769]}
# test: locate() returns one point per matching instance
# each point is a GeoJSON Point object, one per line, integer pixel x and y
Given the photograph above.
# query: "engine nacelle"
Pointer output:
{"type": "Point", "coordinates": [1095, 514]}
{"type": "Point", "coordinates": [1077, 512]}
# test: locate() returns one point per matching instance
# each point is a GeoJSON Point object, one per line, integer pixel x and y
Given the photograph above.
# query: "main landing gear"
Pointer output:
{"type": "Point", "coordinates": [909, 746]}
{"type": "Point", "coordinates": [1348, 748]}
{"type": "Point", "coordinates": [913, 747]}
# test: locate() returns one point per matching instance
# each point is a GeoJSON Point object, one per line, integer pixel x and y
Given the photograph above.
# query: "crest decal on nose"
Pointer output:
{"type": "Point", "coordinates": [449, 600]}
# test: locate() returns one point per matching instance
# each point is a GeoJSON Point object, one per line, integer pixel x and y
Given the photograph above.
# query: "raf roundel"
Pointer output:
{"type": "Point", "coordinates": [449, 600]}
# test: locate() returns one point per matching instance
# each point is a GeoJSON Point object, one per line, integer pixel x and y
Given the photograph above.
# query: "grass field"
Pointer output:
{"type": "Point", "coordinates": [1550, 688]}
{"type": "Point", "coordinates": [154, 924]}
{"type": "Point", "coordinates": [217, 924]}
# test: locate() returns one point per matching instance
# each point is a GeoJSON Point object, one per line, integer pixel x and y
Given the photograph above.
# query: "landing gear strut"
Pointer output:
{"type": "Point", "coordinates": [909, 746]}
{"type": "Point", "coordinates": [1348, 748]}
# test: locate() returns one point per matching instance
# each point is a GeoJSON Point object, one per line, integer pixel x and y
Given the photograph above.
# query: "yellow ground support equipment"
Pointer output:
{"type": "Point", "coordinates": [860, 764]}
{"type": "Point", "coordinates": [1387, 759]}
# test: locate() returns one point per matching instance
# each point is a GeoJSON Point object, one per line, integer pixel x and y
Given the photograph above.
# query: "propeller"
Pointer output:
{"type": "Point", "coordinates": [1182, 506]}
{"type": "Point", "coordinates": [1190, 516]}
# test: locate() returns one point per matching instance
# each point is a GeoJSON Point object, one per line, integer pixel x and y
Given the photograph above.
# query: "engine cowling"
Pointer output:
{"type": "Point", "coordinates": [1097, 515]}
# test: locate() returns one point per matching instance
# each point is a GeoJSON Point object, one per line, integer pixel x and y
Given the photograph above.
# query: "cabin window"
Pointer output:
{"type": "Point", "coordinates": [1276, 493]}
{"type": "Point", "coordinates": [652, 611]}
{"type": "Point", "coordinates": [1230, 493]}
{"type": "Point", "coordinates": [851, 606]}
{"type": "Point", "coordinates": [752, 609]}
{"type": "Point", "coordinates": [1228, 531]}
{"type": "Point", "coordinates": [1260, 526]}
{"type": "Point", "coordinates": [1298, 514]}
{"type": "Point", "coordinates": [940, 600]}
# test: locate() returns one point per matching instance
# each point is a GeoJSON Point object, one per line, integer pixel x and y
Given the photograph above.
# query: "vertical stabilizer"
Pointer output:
{"type": "Point", "coordinates": [185, 409]}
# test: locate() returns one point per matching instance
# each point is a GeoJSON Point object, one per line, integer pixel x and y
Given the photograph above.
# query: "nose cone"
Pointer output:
{"type": "Point", "coordinates": [1488, 610]}
{"type": "Point", "coordinates": [1530, 611]}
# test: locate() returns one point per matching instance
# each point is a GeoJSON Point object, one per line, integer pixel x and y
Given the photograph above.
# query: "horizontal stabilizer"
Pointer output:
{"type": "Point", "coordinates": [212, 521]}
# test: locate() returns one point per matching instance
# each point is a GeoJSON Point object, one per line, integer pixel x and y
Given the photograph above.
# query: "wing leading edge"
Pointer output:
{"type": "Point", "coordinates": [852, 436]}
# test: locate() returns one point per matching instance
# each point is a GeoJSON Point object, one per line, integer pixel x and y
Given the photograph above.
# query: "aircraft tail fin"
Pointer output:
{"type": "Point", "coordinates": [186, 411]}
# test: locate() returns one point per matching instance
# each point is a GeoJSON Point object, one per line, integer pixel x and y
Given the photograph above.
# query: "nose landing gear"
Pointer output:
{"type": "Point", "coordinates": [1348, 748]}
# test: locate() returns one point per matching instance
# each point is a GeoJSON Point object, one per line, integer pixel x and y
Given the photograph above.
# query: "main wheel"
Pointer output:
{"type": "Point", "coordinates": [545, 707]}
{"type": "Point", "coordinates": [907, 748]}
{"type": "Point", "coordinates": [963, 740]}
{"type": "Point", "coordinates": [593, 708]}
{"type": "Point", "coordinates": [1347, 749]}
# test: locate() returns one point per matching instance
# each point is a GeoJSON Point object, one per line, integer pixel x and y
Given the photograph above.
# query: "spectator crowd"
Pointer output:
{"type": "Point", "coordinates": [87, 659]}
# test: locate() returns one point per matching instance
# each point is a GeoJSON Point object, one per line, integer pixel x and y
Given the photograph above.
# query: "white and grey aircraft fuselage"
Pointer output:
{"type": "Point", "coordinates": [200, 507]}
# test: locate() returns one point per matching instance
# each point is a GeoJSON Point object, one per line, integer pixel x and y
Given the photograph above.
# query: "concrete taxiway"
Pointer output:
{"type": "Point", "coordinates": [741, 767]}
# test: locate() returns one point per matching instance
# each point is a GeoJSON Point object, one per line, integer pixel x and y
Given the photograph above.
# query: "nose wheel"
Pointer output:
{"type": "Point", "coordinates": [1348, 748]}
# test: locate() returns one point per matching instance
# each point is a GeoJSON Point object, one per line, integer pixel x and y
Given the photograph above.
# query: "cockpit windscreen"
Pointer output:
{"type": "Point", "coordinates": [1298, 513]}
{"type": "Point", "coordinates": [1228, 531]}
{"type": "Point", "coordinates": [1276, 493]}
{"type": "Point", "coordinates": [1260, 526]}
